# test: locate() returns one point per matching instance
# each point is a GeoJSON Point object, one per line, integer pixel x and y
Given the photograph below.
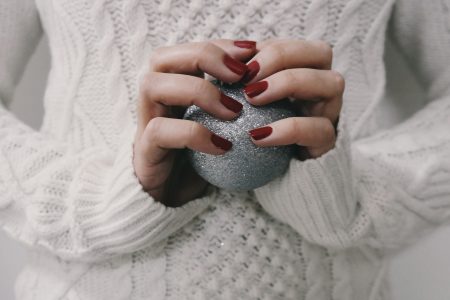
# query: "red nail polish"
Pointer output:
{"type": "Point", "coordinates": [252, 70]}
{"type": "Point", "coordinates": [256, 88]}
{"type": "Point", "coordinates": [245, 44]}
{"type": "Point", "coordinates": [260, 133]}
{"type": "Point", "coordinates": [234, 65]}
{"type": "Point", "coordinates": [221, 142]}
{"type": "Point", "coordinates": [230, 103]}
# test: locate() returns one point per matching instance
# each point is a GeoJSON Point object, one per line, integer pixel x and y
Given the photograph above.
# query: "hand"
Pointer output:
{"type": "Point", "coordinates": [174, 82]}
{"type": "Point", "coordinates": [299, 70]}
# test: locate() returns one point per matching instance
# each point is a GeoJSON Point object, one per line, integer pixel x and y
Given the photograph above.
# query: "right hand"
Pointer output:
{"type": "Point", "coordinates": [175, 81]}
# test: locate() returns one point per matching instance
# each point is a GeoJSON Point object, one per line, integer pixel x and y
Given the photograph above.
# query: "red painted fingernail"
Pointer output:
{"type": "Point", "coordinates": [234, 65]}
{"type": "Point", "coordinates": [252, 70]}
{"type": "Point", "coordinates": [230, 103]}
{"type": "Point", "coordinates": [221, 142]}
{"type": "Point", "coordinates": [260, 133]}
{"type": "Point", "coordinates": [256, 88]}
{"type": "Point", "coordinates": [245, 44]}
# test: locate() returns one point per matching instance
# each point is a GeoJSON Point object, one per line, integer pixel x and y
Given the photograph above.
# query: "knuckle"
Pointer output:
{"type": "Point", "coordinates": [315, 152]}
{"type": "Point", "coordinates": [193, 133]}
{"type": "Point", "coordinates": [205, 48]}
{"type": "Point", "coordinates": [200, 88]}
{"type": "Point", "coordinates": [153, 128]}
{"type": "Point", "coordinates": [221, 42]}
{"type": "Point", "coordinates": [325, 49]}
{"type": "Point", "coordinates": [149, 86]}
{"type": "Point", "coordinates": [264, 44]}
{"type": "Point", "coordinates": [146, 83]}
{"type": "Point", "coordinates": [278, 52]}
{"type": "Point", "coordinates": [295, 130]}
{"type": "Point", "coordinates": [271, 40]}
{"type": "Point", "coordinates": [339, 81]}
{"type": "Point", "coordinates": [156, 59]}
{"type": "Point", "coordinates": [328, 131]}
{"type": "Point", "coordinates": [143, 85]}
{"type": "Point", "coordinates": [290, 80]}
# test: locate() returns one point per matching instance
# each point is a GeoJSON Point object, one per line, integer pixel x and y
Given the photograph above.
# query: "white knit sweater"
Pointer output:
{"type": "Point", "coordinates": [320, 232]}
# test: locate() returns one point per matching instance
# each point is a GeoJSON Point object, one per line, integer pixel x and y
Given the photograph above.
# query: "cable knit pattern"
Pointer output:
{"type": "Point", "coordinates": [319, 232]}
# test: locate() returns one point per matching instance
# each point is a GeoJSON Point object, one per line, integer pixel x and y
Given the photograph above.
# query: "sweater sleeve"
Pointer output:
{"type": "Point", "coordinates": [388, 189]}
{"type": "Point", "coordinates": [84, 205]}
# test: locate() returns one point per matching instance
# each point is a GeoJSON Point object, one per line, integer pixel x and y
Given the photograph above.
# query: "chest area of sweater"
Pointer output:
{"type": "Point", "coordinates": [164, 22]}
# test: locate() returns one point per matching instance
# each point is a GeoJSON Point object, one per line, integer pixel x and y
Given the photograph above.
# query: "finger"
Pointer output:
{"type": "Point", "coordinates": [163, 134]}
{"type": "Point", "coordinates": [288, 54]}
{"type": "Point", "coordinates": [193, 58]}
{"type": "Point", "coordinates": [315, 133]}
{"type": "Point", "coordinates": [241, 50]}
{"type": "Point", "coordinates": [160, 91]}
{"type": "Point", "coordinates": [305, 84]}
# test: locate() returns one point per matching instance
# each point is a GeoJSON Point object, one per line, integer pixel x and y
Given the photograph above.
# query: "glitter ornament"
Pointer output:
{"type": "Point", "coordinates": [246, 166]}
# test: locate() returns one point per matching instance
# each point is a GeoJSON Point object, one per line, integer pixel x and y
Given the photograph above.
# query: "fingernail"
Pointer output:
{"type": "Point", "coordinates": [234, 65]}
{"type": "Point", "coordinates": [245, 44]}
{"type": "Point", "coordinates": [230, 103]}
{"type": "Point", "coordinates": [260, 133]}
{"type": "Point", "coordinates": [252, 70]}
{"type": "Point", "coordinates": [221, 142]}
{"type": "Point", "coordinates": [254, 89]}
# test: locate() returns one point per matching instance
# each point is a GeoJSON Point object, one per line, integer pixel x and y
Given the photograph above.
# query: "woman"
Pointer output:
{"type": "Point", "coordinates": [92, 194]}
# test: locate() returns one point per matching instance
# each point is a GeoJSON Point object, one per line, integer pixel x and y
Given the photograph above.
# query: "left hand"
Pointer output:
{"type": "Point", "coordinates": [299, 70]}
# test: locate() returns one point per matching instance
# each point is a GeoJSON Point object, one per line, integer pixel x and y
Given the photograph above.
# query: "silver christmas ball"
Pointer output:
{"type": "Point", "coordinates": [246, 166]}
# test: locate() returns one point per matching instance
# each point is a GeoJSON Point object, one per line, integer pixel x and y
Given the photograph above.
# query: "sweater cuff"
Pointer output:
{"type": "Point", "coordinates": [115, 214]}
{"type": "Point", "coordinates": [315, 196]}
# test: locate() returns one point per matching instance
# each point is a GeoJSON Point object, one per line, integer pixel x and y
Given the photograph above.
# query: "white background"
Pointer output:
{"type": "Point", "coordinates": [419, 273]}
